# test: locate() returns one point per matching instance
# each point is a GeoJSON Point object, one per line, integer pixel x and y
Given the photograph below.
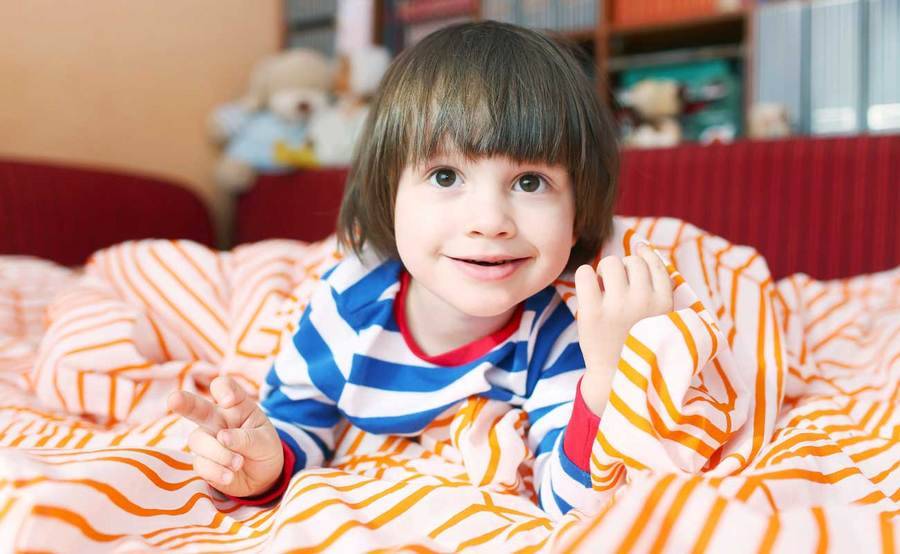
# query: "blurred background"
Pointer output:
{"type": "Point", "coordinates": [251, 110]}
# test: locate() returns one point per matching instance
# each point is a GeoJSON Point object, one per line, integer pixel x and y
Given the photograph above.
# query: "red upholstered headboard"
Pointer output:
{"type": "Point", "coordinates": [64, 213]}
{"type": "Point", "coordinates": [825, 206]}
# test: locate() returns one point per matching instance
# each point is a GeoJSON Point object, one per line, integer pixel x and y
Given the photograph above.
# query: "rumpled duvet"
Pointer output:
{"type": "Point", "coordinates": [759, 415]}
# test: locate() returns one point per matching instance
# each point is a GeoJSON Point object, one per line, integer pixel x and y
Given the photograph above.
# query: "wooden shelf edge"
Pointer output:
{"type": "Point", "coordinates": [675, 24]}
{"type": "Point", "coordinates": [677, 56]}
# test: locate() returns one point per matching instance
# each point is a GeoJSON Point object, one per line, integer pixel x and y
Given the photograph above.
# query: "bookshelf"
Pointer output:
{"type": "Point", "coordinates": [785, 52]}
{"type": "Point", "coordinates": [614, 34]}
{"type": "Point", "coordinates": [309, 24]}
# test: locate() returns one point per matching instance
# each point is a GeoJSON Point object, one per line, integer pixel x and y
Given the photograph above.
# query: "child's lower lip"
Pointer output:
{"type": "Point", "coordinates": [489, 272]}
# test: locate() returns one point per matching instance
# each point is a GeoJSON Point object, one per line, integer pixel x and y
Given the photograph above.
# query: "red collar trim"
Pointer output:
{"type": "Point", "coordinates": [464, 354]}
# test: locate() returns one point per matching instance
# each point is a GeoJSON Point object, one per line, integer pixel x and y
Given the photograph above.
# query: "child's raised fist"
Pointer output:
{"type": "Point", "coordinates": [610, 301]}
{"type": "Point", "coordinates": [236, 448]}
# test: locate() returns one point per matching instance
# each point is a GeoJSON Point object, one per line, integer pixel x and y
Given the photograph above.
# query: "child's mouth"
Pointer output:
{"type": "Point", "coordinates": [488, 270]}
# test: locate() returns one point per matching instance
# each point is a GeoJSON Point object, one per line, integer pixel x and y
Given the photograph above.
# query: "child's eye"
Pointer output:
{"type": "Point", "coordinates": [530, 182]}
{"type": "Point", "coordinates": [443, 178]}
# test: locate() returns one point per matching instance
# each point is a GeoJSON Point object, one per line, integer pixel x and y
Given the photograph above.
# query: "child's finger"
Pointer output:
{"type": "Point", "coordinates": [638, 273]}
{"type": "Point", "coordinates": [233, 401]}
{"type": "Point", "coordinates": [613, 274]}
{"type": "Point", "coordinates": [587, 289]}
{"type": "Point", "coordinates": [250, 442]}
{"type": "Point", "coordinates": [659, 275]}
{"type": "Point", "coordinates": [226, 391]}
{"type": "Point", "coordinates": [197, 409]}
{"type": "Point", "coordinates": [205, 445]}
{"type": "Point", "coordinates": [215, 474]}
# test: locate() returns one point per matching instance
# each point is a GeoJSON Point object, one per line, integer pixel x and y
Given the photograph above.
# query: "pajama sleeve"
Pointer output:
{"type": "Point", "coordinates": [562, 428]}
{"type": "Point", "coordinates": [301, 390]}
{"type": "Point", "coordinates": [294, 398]}
{"type": "Point", "coordinates": [300, 393]}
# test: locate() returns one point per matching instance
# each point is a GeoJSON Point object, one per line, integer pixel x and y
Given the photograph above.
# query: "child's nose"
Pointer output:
{"type": "Point", "coordinates": [490, 217]}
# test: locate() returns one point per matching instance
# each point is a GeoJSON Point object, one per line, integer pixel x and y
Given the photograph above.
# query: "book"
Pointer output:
{"type": "Point", "coordinates": [836, 97]}
{"type": "Point", "coordinates": [411, 11]}
{"type": "Point", "coordinates": [780, 59]}
{"type": "Point", "coordinates": [883, 67]}
{"type": "Point", "coordinates": [302, 12]}
{"type": "Point", "coordinates": [500, 10]}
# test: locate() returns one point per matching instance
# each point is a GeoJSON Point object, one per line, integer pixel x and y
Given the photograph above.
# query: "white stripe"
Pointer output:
{"type": "Point", "coordinates": [362, 401]}
{"type": "Point", "coordinates": [314, 455]}
{"type": "Point", "coordinates": [554, 419]}
{"type": "Point", "coordinates": [333, 329]}
{"type": "Point", "coordinates": [388, 346]}
{"type": "Point", "coordinates": [553, 390]}
{"type": "Point", "coordinates": [574, 493]}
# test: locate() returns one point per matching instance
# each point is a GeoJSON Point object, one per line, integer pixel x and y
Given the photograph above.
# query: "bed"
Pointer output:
{"type": "Point", "coordinates": [760, 415]}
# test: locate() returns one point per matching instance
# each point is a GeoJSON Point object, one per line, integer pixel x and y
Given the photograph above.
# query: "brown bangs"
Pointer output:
{"type": "Point", "coordinates": [482, 89]}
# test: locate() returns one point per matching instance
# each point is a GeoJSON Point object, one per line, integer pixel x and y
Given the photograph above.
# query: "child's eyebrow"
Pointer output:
{"type": "Point", "coordinates": [450, 156]}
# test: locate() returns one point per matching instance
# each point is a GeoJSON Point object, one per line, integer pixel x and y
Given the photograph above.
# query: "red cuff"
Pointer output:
{"type": "Point", "coordinates": [581, 432]}
{"type": "Point", "coordinates": [278, 488]}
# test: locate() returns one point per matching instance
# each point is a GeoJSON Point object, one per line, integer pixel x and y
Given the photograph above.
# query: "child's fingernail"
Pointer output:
{"type": "Point", "coordinates": [223, 438]}
{"type": "Point", "coordinates": [227, 476]}
{"type": "Point", "coordinates": [227, 399]}
{"type": "Point", "coordinates": [236, 462]}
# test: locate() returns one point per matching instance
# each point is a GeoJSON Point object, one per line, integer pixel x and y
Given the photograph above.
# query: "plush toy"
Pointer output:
{"type": "Point", "coordinates": [651, 113]}
{"type": "Point", "coordinates": [768, 121]}
{"type": "Point", "coordinates": [286, 91]}
{"type": "Point", "coordinates": [334, 130]}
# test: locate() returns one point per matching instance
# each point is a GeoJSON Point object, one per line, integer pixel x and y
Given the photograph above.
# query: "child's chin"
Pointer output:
{"type": "Point", "coordinates": [484, 306]}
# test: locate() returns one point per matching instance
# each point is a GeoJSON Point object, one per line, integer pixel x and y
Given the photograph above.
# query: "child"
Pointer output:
{"type": "Point", "coordinates": [487, 168]}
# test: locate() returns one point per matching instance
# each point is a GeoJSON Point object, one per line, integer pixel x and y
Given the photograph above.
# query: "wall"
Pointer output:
{"type": "Point", "coordinates": [127, 84]}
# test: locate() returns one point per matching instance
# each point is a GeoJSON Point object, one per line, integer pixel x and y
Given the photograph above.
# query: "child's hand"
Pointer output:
{"type": "Point", "coordinates": [236, 448]}
{"type": "Point", "coordinates": [632, 291]}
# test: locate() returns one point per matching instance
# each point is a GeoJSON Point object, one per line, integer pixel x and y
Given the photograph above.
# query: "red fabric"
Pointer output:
{"type": "Point", "coordinates": [580, 432]}
{"type": "Point", "coordinates": [821, 206]}
{"type": "Point", "coordinates": [64, 213]}
{"type": "Point", "coordinates": [276, 490]}
{"type": "Point", "coordinates": [458, 356]}
{"type": "Point", "coordinates": [302, 205]}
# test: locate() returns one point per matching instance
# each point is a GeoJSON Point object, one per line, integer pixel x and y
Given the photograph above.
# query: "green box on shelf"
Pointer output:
{"type": "Point", "coordinates": [715, 80]}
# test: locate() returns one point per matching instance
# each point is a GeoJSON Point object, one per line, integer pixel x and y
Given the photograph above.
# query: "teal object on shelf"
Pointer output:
{"type": "Point", "coordinates": [715, 80]}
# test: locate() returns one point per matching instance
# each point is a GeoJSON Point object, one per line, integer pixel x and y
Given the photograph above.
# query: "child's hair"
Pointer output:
{"type": "Point", "coordinates": [484, 89]}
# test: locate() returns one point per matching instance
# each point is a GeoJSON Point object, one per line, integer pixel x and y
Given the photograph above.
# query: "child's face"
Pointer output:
{"type": "Point", "coordinates": [450, 210]}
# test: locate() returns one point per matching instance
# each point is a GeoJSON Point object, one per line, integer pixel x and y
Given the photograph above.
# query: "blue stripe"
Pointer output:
{"type": "Point", "coordinates": [379, 313]}
{"type": "Point", "coordinates": [299, 454]}
{"type": "Point", "coordinates": [323, 371]}
{"type": "Point", "coordinates": [410, 423]}
{"type": "Point", "coordinates": [535, 415]}
{"type": "Point", "coordinates": [570, 359]}
{"type": "Point", "coordinates": [368, 289]}
{"type": "Point", "coordinates": [520, 361]}
{"type": "Point", "coordinates": [539, 301]}
{"type": "Point", "coordinates": [548, 441]}
{"type": "Point", "coordinates": [326, 452]}
{"type": "Point", "coordinates": [582, 477]}
{"type": "Point", "coordinates": [391, 323]}
{"type": "Point", "coordinates": [564, 507]}
{"type": "Point", "coordinates": [497, 393]}
{"type": "Point", "coordinates": [329, 271]}
{"type": "Point", "coordinates": [304, 412]}
{"type": "Point", "coordinates": [546, 338]}
{"type": "Point", "coordinates": [382, 375]}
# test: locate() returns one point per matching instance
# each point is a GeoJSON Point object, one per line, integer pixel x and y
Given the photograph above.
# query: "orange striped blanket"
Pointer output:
{"type": "Point", "coordinates": [757, 416]}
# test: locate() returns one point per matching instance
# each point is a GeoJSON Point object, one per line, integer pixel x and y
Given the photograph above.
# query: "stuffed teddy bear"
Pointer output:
{"type": "Point", "coordinates": [768, 121]}
{"type": "Point", "coordinates": [286, 91]}
{"type": "Point", "coordinates": [334, 130]}
{"type": "Point", "coordinates": [651, 111]}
